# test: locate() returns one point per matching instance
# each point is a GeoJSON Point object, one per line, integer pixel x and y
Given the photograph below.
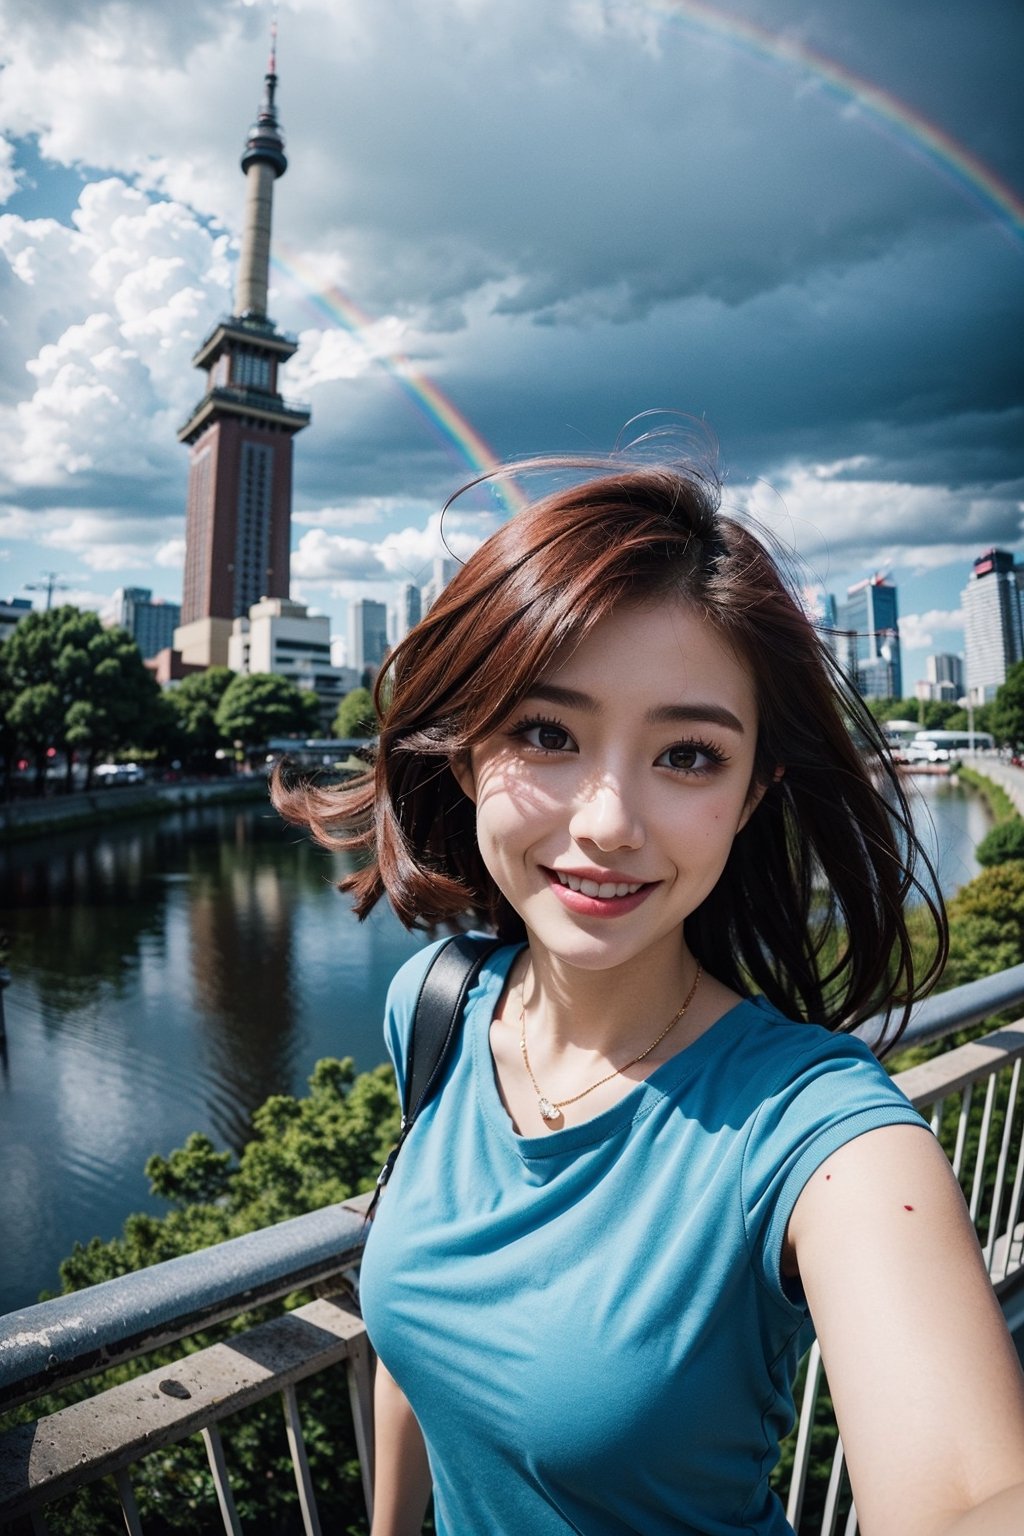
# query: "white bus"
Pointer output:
{"type": "Point", "coordinates": [940, 746]}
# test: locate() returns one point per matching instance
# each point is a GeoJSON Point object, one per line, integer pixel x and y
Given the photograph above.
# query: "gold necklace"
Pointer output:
{"type": "Point", "coordinates": [550, 1108]}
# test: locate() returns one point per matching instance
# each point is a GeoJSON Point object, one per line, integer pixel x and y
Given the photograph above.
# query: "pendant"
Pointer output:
{"type": "Point", "coordinates": [547, 1109]}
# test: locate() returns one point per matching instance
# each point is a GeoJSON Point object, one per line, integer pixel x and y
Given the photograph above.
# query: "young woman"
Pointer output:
{"type": "Point", "coordinates": [617, 742]}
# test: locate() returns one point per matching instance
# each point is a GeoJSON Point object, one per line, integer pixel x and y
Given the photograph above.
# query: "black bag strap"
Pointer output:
{"type": "Point", "coordinates": [435, 1029]}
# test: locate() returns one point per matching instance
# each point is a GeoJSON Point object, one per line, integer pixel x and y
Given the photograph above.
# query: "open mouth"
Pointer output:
{"type": "Point", "coordinates": [603, 890]}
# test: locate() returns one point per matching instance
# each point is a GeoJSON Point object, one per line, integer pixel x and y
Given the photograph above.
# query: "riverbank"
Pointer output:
{"type": "Point", "coordinates": [1006, 778]}
{"type": "Point", "coordinates": [22, 819]}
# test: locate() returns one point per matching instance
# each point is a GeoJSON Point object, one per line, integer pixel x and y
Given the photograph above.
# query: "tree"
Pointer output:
{"type": "Point", "coordinates": [8, 735]}
{"type": "Point", "coordinates": [75, 685]}
{"type": "Point", "coordinates": [305, 1153]}
{"type": "Point", "coordinates": [986, 920]}
{"type": "Point", "coordinates": [121, 706]}
{"type": "Point", "coordinates": [1006, 716]}
{"type": "Point", "coordinates": [1002, 843]}
{"type": "Point", "coordinates": [258, 705]}
{"type": "Point", "coordinates": [356, 715]}
{"type": "Point", "coordinates": [195, 702]}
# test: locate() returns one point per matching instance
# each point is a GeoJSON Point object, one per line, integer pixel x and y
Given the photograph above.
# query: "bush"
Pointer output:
{"type": "Point", "coordinates": [305, 1153]}
{"type": "Point", "coordinates": [1003, 843]}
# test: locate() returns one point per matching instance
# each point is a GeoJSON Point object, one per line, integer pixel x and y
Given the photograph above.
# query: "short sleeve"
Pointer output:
{"type": "Point", "coordinates": [834, 1091]}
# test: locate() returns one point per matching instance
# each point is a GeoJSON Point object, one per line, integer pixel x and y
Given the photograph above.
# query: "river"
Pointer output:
{"type": "Point", "coordinates": [168, 975]}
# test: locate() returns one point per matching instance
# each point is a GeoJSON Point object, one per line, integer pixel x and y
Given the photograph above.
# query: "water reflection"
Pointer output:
{"type": "Point", "coordinates": [166, 977]}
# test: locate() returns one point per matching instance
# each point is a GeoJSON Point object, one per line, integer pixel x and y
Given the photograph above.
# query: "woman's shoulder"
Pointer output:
{"type": "Point", "coordinates": [775, 1039]}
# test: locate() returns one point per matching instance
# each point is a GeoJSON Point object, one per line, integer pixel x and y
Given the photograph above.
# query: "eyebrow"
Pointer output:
{"type": "Point", "coordinates": [662, 714]}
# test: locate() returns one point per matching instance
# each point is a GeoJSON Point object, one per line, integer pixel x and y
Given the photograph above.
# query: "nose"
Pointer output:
{"type": "Point", "coordinates": [605, 816]}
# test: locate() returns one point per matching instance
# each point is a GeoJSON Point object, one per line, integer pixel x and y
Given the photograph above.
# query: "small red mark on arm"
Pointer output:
{"type": "Point", "coordinates": [908, 1207]}
{"type": "Point", "coordinates": [827, 1177]}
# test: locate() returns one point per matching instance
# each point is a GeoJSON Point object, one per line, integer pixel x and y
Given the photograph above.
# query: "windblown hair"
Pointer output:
{"type": "Point", "coordinates": [810, 908]}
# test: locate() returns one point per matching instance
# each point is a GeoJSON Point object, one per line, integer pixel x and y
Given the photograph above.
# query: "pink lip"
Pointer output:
{"type": "Point", "coordinates": [597, 906]}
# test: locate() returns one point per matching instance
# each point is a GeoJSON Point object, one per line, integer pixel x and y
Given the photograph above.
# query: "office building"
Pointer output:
{"type": "Point", "coordinates": [408, 611]}
{"type": "Point", "coordinates": [945, 677]}
{"type": "Point", "coordinates": [869, 650]}
{"type": "Point", "coordinates": [993, 638]}
{"type": "Point", "coordinates": [11, 614]}
{"type": "Point", "coordinates": [150, 624]}
{"type": "Point", "coordinates": [442, 571]}
{"type": "Point", "coordinates": [278, 635]}
{"type": "Point", "coordinates": [367, 634]}
{"type": "Point", "coordinates": [238, 515]}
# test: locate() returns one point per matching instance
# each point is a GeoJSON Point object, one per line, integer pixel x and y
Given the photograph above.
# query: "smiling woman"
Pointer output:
{"type": "Point", "coordinates": [654, 1156]}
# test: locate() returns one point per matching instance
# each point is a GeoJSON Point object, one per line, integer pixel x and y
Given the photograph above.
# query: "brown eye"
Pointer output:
{"type": "Point", "coordinates": [551, 737]}
{"type": "Point", "coordinates": [544, 735]}
{"type": "Point", "coordinates": [696, 758]}
{"type": "Point", "coordinates": [683, 757]}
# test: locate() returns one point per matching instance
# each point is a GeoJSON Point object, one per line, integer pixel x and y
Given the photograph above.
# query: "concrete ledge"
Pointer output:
{"type": "Point", "coordinates": [97, 807]}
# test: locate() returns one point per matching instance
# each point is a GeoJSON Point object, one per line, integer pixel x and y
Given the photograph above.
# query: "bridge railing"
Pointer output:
{"type": "Point", "coordinates": [971, 1095]}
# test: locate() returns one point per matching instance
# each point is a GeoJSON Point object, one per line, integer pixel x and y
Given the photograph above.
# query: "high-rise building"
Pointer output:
{"type": "Point", "coordinates": [150, 624]}
{"type": "Point", "coordinates": [820, 607]}
{"type": "Point", "coordinates": [870, 650]}
{"type": "Point", "coordinates": [367, 634]}
{"type": "Point", "coordinates": [442, 571]}
{"type": "Point", "coordinates": [238, 516]}
{"type": "Point", "coordinates": [945, 676]}
{"type": "Point", "coordinates": [11, 614]}
{"type": "Point", "coordinates": [410, 609]}
{"type": "Point", "coordinates": [993, 638]}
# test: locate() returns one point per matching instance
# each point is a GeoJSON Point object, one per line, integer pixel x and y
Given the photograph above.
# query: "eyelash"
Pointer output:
{"type": "Point", "coordinates": [716, 758]}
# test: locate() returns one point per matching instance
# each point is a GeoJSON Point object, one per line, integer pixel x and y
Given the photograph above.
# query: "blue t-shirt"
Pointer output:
{"type": "Point", "coordinates": [591, 1325]}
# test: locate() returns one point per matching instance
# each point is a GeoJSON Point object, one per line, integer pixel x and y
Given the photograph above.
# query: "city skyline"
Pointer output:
{"type": "Point", "coordinates": [810, 237]}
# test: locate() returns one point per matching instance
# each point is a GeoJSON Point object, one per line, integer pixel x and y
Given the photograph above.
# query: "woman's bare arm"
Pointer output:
{"type": "Point", "coordinates": [401, 1483]}
{"type": "Point", "coordinates": [927, 1388]}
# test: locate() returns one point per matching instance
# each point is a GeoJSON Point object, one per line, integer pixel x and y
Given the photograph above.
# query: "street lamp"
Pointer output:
{"type": "Point", "coordinates": [968, 703]}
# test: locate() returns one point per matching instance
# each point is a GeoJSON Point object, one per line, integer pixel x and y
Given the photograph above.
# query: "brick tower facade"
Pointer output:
{"type": "Point", "coordinates": [238, 515]}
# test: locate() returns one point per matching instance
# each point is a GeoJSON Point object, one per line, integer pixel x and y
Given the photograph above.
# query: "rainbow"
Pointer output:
{"type": "Point", "coordinates": [915, 132]}
{"type": "Point", "coordinates": [454, 429]}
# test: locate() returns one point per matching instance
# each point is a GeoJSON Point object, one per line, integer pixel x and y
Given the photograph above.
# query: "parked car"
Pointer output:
{"type": "Point", "coordinates": [119, 773]}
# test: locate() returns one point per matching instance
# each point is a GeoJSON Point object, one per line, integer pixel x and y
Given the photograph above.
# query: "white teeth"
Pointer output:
{"type": "Point", "coordinates": [603, 891]}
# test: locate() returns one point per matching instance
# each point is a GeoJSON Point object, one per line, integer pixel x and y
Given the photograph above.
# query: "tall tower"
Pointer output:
{"type": "Point", "coordinates": [238, 516]}
{"type": "Point", "coordinates": [993, 629]}
{"type": "Point", "coordinates": [870, 651]}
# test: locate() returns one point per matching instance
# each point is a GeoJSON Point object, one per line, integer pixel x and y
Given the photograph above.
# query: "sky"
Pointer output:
{"type": "Point", "coordinates": [794, 226]}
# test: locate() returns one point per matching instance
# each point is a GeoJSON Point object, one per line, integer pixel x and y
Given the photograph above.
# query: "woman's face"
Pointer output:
{"type": "Point", "coordinates": [608, 802]}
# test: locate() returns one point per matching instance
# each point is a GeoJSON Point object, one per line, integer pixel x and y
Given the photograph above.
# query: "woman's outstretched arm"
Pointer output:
{"type": "Point", "coordinates": [401, 1483]}
{"type": "Point", "coordinates": [927, 1388]}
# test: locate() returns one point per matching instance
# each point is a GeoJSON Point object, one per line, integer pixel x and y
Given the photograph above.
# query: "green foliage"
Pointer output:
{"type": "Point", "coordinates": [995, 797]}
{"type": "Point", "coordinates": [961, 720]}
{"type": "Point", "coordinates": [1003, 843]}
{"type": "Point", "coordinates": [74, 685]}
{"type": "Point", "coordinates": [356, 715]}
{"type": "Point", "coordinates": [1007, 709]}
{"type": "Point", "coordinates": [258, 705]}
{"type": "Point", "coordinates": [930, 714]}
{"type": "Point", "coordinates": [986, 922]}
{"type": "Point", "coordinates": [304, 1153]}
{"type": "Point", "coordinates": [195, 701]}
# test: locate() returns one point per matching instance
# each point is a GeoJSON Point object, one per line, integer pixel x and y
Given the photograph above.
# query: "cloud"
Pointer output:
{"type": "Point", "coordinates": [918, 630]}
{"type": "Point", "coordinates": [833, 513]}
{"type": "Point", "coordinates": [103, 540]}
{"type": "Point", "coordinates": [321, 556]}
{"type": "Point", "coordinates": [9, 179]}
{"type": "Point", "coordinates": [405, 554]}
{"type": "Point", "coordinates": [561, 215]}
